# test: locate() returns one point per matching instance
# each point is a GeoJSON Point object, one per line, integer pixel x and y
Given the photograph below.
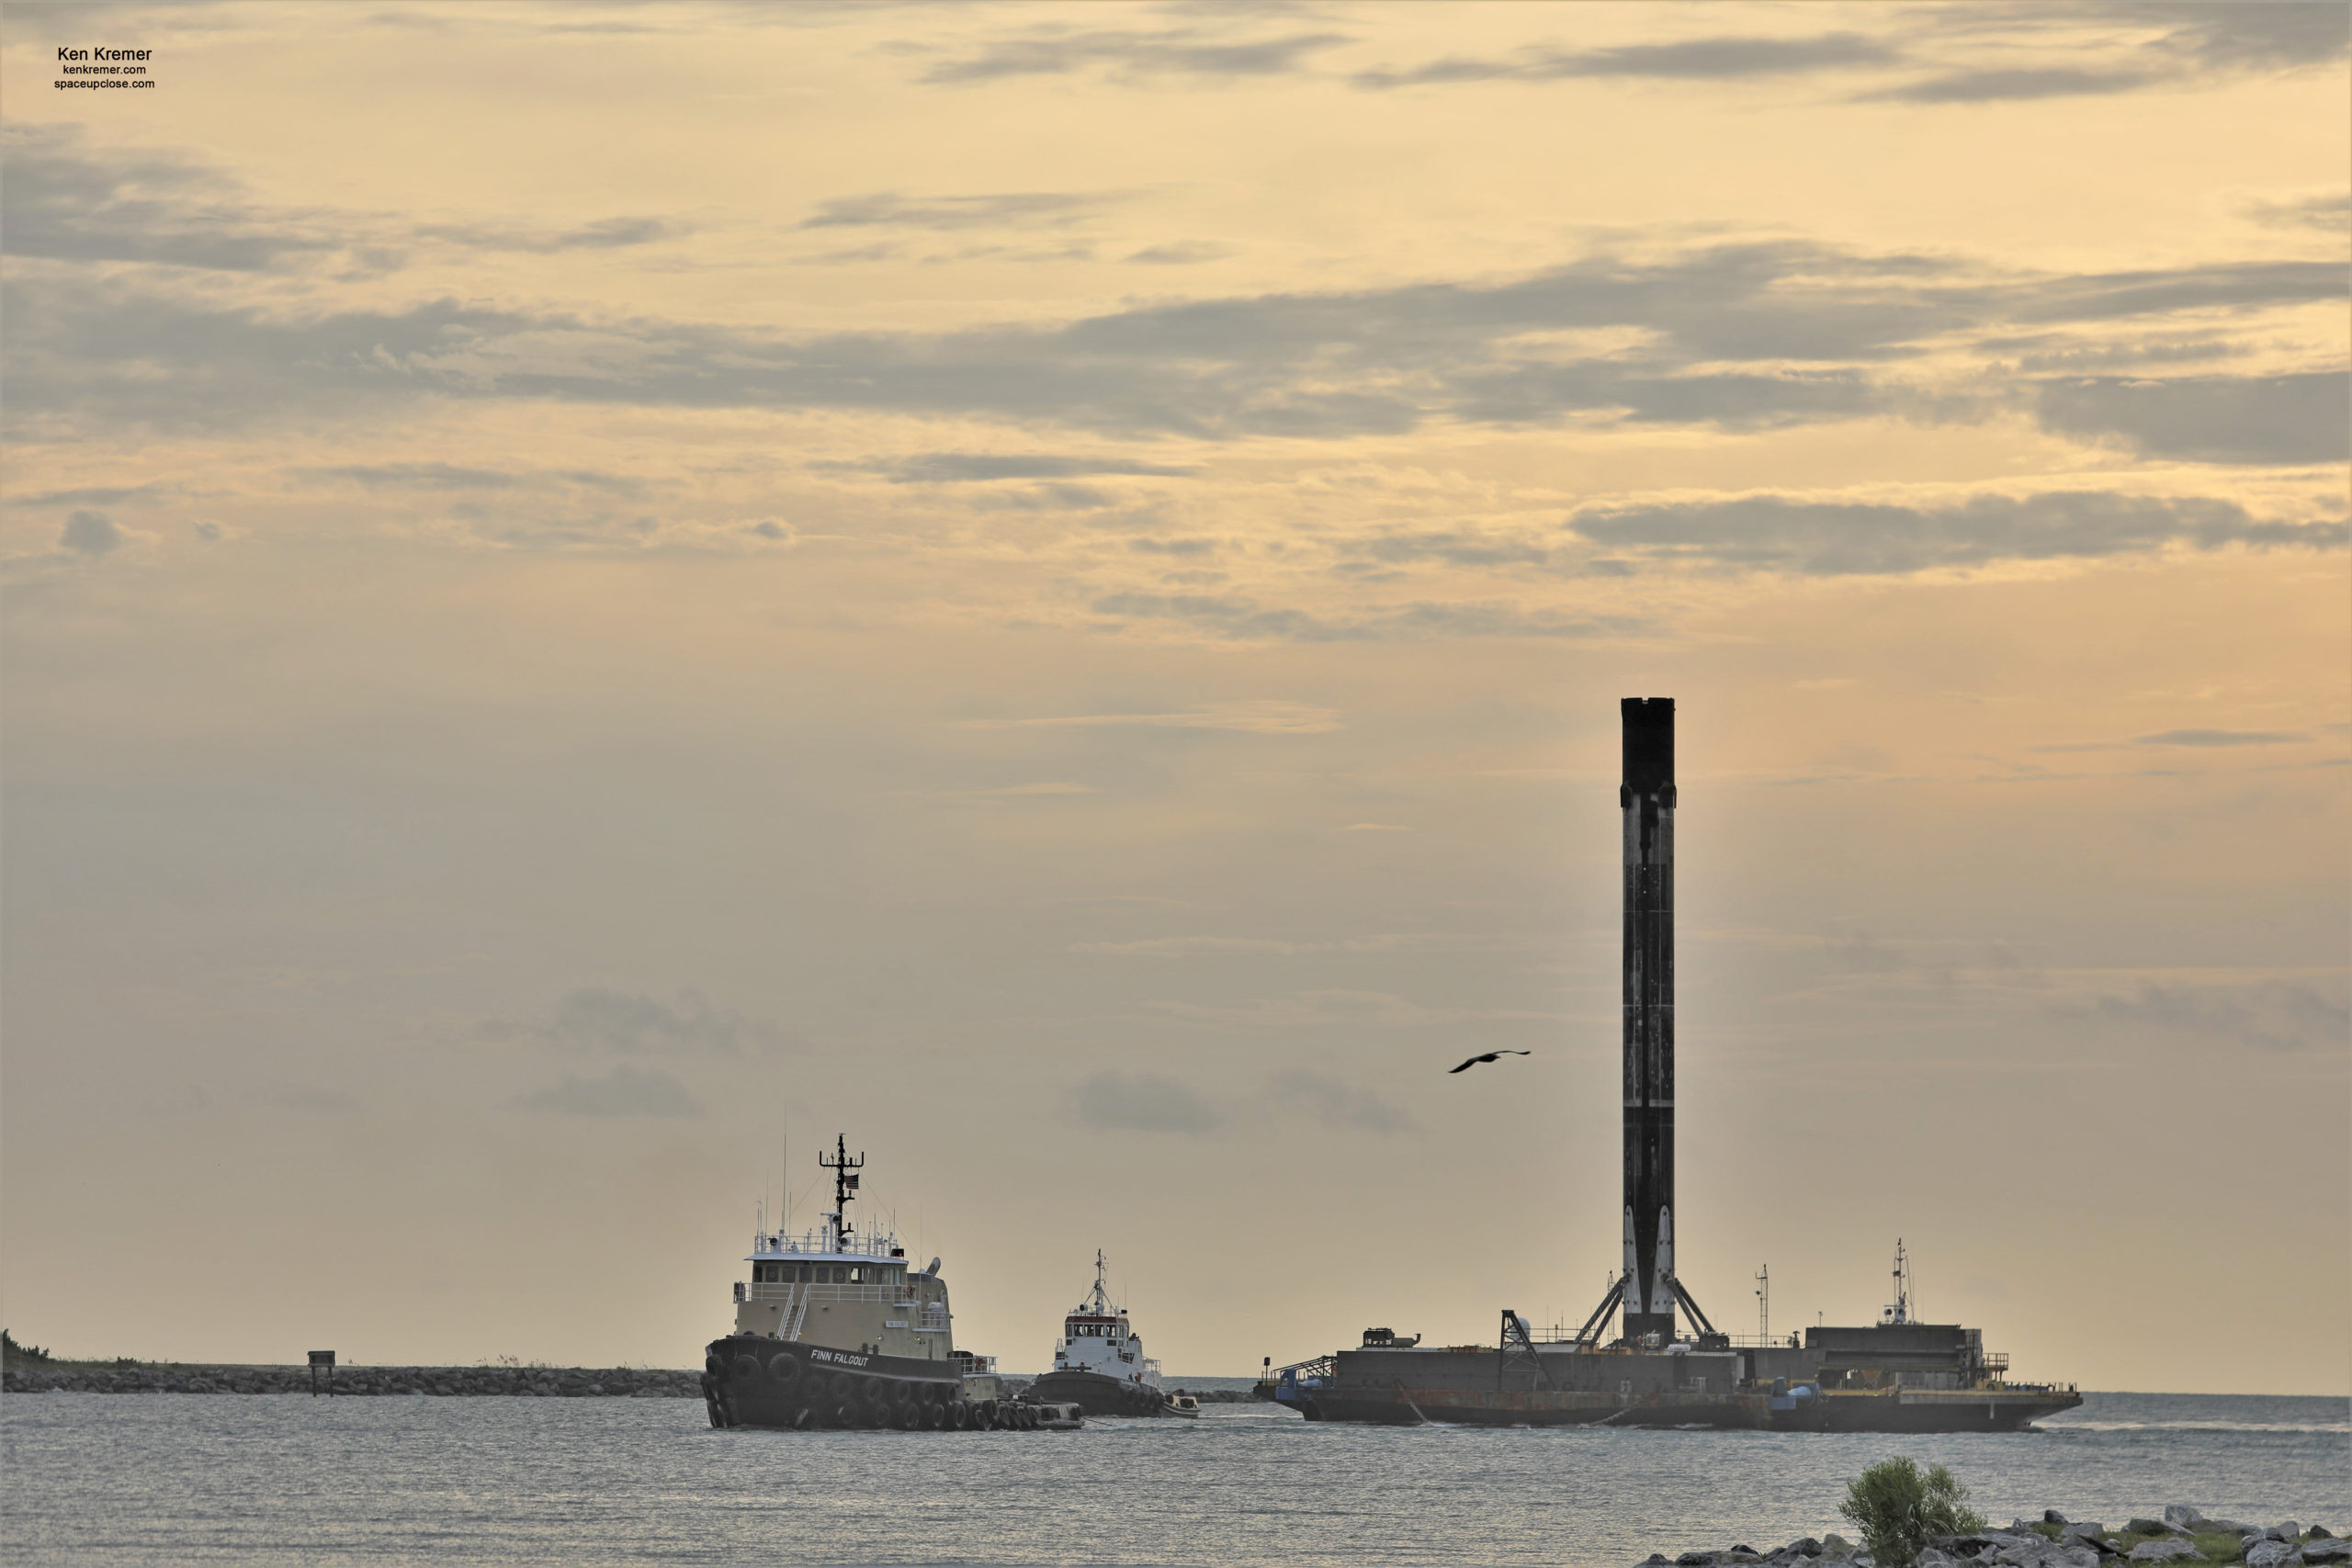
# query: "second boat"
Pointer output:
{"type": "Point", "coordinates": [1099, 1361]}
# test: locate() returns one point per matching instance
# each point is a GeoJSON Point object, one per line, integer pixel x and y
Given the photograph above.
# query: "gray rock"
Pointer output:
{"type": "Point", "coordinates": [2271, 1554]}
{"type": "Point", "coordinates": [2181, 1514]}
{"type": "Point", "coordinates": [1932, 1558]}
{"type": "Point", "coordinates": [1695, 1559]}
{"type": "Point", "coordinates": [1654, 1558]}
{"type": "Point", "coordinates": [2325, 1548]}
{"type": "Point", "coordinates": [2052, 1516]}
{"type": "Point", "coordinates": [2166, 1552]}
{"type": "Point", "coordinates": [1805, 1546]}
{"type": "Point", "coordinates": [2144, 1526]}
{"type": "Point", "coordinates": [2291, 1531]}
{"type": "Point", "coordinates": [2321, 1532]}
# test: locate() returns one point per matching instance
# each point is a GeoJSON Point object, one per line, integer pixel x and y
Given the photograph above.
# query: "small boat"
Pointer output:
{"type": "Point", "coordinates": [1185, 1406]}
{"type": "Point", "coordinates": [1059, 1418]}
{"type": "Point", "coordinates": [1099, 1361]}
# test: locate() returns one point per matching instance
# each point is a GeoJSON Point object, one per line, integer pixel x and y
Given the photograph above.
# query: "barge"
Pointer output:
{"type": "Point", "coordinates": [1668, 1366]}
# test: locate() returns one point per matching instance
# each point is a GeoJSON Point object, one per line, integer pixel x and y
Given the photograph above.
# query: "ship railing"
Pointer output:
{"type": "Point", "coordinates": [933, 1319]}
{"type": "Point", "coordinates": [774, 1291]}
{"type": "Point", "coordinates": [820, 1244]}
{"type": "Point", "coordinates": [1307, 1371]}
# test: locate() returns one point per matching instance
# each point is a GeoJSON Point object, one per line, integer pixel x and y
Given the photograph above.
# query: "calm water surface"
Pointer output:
{"type": "Point", "coordinates": [192, 1478]}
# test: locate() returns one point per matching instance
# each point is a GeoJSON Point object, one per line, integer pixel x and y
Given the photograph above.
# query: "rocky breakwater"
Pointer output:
{"type": "Point", "coordinates": [541, 1382]}
{"type": "Point", "coordinates": [2183, 1536]}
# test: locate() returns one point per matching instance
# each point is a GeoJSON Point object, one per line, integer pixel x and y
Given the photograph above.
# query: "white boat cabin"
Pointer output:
{"type": "Point", "coordinates": [1097, 1337]}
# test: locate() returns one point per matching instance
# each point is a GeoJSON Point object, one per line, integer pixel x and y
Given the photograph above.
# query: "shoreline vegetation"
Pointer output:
{"type": "Point", "coordinates": [2183, 1538]}
{"type": "Point", "coordinates": [2054, 1545]}
{"type": "Point", "coordinates": [28, 1369]}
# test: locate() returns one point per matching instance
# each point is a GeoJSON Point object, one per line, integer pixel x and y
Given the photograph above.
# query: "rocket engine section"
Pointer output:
{"type": "Point", "coordinates": [1646, 797]}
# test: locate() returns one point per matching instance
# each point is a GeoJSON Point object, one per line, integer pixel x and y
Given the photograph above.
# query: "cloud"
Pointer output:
{"type": "Point", "coordinates": [2329, 212]}
{"type": "Point", "coordinates": [1056, 52]}
{"type": "Point", "coordinates": [415, 475]}
{"type": "Point", "coordinates": [2276, 1015]}
{"type": "Point", "coordinates": [1834, 538]}
{"type": "Point", "coordinates": [69, 202]}
{"type": "Point", "coordinates": [2243, 34]}
{"type": "Point", "coordinates": [1706, 59]}
{"type": "Point", "coordinates": [1396, 941]}
{"type": "Point", "coordinates": [1241, 619]}
{"type": "Point", "coordinates": [2011, 83]}
{"type": "Point", "coordinates": [1180, 254]}
{"type": "Point", "coordinates": [87, 495]}
{"type": "Point", "coordinates": [92, 534]}
{"type": "Point", "coordinates": [323, 1102]}
{"type": "Point", "coordinates": [1115, 1101]}
{"type": "Point", "coordinates": [624, 1091]}
{"type": "Point", "coordinates": [1456, 546]}
{"type": "Point", "coordinates": [604, 235]}
{"type": "Point", "coordinates": [2303, 418]}
{"type": "Point", "coordinates": [1740, 336]}
{"type": "Point", "coordinates": [2221, 737]}
{"type": "Point", "coordinates": [1336, 1007]}
{"type": "Point", "coordinates": [1004, 210]}
{"type": "Point", "coordinates": [973, 468]}
{"type": "Point", "coordinates": [2180, 45]}
{"type": "Point", "coordinates": [617, 1023]}
{"type": "Point", "coordinates": [1338, 1104]}
{"type": "Point", "coordinates": [1255, 716]}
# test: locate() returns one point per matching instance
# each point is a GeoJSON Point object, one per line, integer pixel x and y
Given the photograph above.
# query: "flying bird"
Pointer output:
{"type": "Point", "coordinates": [1487, 1057]}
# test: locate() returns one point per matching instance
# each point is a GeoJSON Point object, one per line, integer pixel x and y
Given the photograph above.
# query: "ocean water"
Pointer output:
{"type": "Point", "coordinates": [193, 1479]}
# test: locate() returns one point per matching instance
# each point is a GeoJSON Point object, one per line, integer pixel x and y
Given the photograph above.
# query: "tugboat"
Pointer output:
{"type": "Point", "coordinates": [834, 1330]}
{"type": "Point", "coordinates": [1099, 1362]}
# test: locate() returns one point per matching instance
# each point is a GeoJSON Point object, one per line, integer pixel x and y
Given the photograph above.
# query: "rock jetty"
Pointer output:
{"type": "Point", "coordinates": [541, 1382]}
{"type": "Point", "coordinates": [2183, 1536]}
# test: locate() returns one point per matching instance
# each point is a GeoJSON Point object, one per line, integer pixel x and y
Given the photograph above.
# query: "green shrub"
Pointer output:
{"type": "Point", "coordinates": [11, 1353]}
{"type": "Point", "coordinates": [1899, 1509]}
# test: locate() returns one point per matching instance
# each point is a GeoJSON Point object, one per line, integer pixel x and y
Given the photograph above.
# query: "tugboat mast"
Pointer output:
{"type": "Point", "coordinates": [844, 1171]}
{"type": "Point", "coordinates": [1101, 1300]}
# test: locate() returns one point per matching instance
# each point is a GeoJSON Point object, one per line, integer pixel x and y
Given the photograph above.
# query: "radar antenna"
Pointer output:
{"type": "Point", "coordinates": [1899, 1309]}
{"type": "Point", "coordinates": [1100, 1299]}
{"type": "Point", "coordinates": [844, 1171]}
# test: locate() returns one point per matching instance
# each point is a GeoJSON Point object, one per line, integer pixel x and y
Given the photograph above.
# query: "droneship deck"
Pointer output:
{"type": "Point", "coordinates": [1909, 1378]}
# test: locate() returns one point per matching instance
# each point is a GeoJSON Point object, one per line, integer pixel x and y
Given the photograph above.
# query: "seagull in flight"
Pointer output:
{"type": "Point", "coordinates": [1487, 1057]}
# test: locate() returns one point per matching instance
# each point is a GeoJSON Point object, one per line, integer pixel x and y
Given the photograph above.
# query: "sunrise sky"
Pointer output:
{"type": "Point", "coordinates": [595, 589]}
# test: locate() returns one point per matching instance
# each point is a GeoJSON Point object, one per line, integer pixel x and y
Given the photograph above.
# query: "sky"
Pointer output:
{"type": "Point", "coordinates": [596, 595]}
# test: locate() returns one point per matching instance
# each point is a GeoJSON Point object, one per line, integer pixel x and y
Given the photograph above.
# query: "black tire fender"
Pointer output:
{"type": "Point", "coordinates": [783, 1366]}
